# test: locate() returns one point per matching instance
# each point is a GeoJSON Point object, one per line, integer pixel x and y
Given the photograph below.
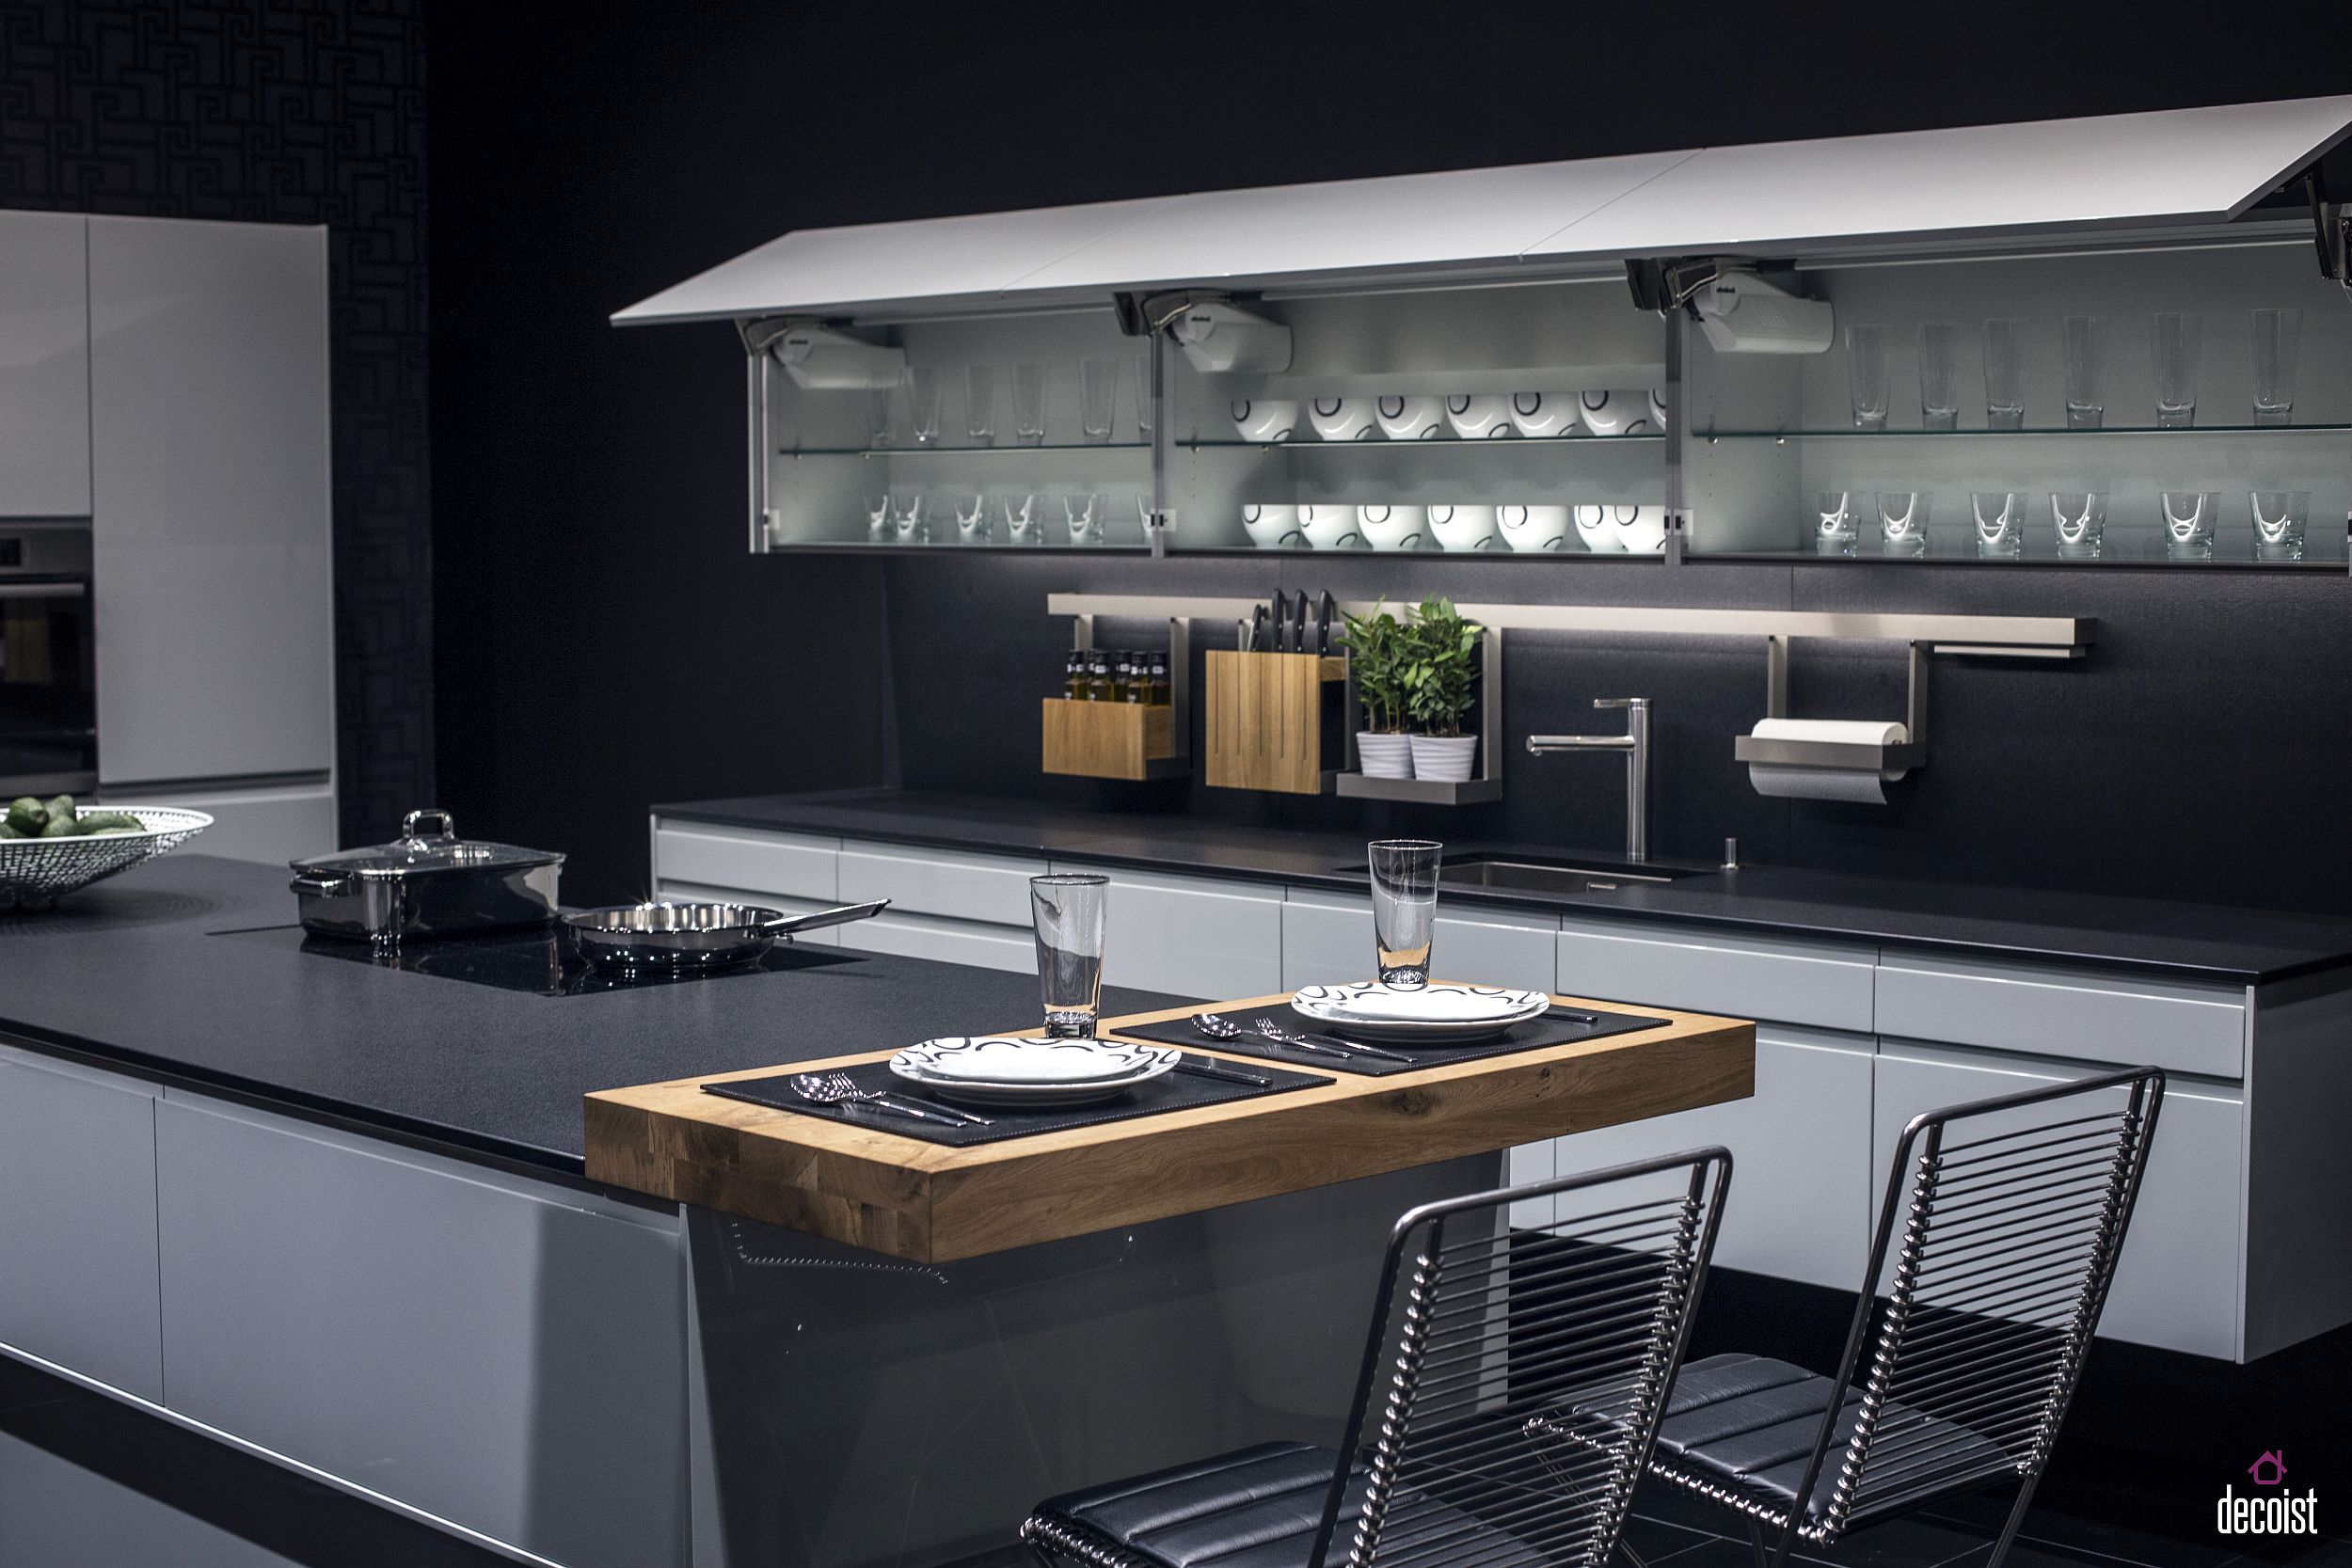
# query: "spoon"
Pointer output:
{"type": "Point", "coordinates": [835, 1088]}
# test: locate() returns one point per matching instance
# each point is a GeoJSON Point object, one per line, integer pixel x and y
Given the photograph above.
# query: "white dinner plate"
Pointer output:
{"type": "Point", "coordinates": [1434, 1014]}
{"type": "Point", "coordinates": [1031, 1071]}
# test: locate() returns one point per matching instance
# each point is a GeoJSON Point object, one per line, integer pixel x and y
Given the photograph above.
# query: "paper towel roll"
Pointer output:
{"type": "Point", "coordinates": [1844, 732]}
{"type": "Point", "coordinates": [1863, 786]}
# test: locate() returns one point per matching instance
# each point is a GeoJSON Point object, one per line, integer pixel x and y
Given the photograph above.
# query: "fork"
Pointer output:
{"type": "Point", "coordinates": [1274, 1031]}
{"type": "Point", "coordinates": [835, 1088]}
{"type": "Point", "coordinates": [1220, 1029]}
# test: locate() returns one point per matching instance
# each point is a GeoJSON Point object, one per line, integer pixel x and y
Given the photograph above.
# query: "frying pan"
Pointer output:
{"type": "Point", "coordinates": [665, 936]}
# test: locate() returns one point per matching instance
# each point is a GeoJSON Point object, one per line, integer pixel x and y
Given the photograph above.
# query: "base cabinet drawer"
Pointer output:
{"type": "Point", "coordinates": [771, 864]}
{"type": "Point", "coordinates": [1820, 984]}
{"type": "Point", "coordinates": [2176, 1025]}
{"type": "Point", "coordinates": [1800, 1178]}
{"type": "Point", "coordinates": [1190, 936]}
{"type": "Point", "coordinates": [1327, 940]}
{"type": "Point", "coordinates": [506, 1356]}
{"type": "Point", "coordinates": [2179, 1280]}
{"type": "Point", "coordinates": [991, 889]}
{"type": "Point", "coordinates": [77, 1221]}
{"type": "Point", "coordinates": [948, 941]}
{"type": "Point", "coordinates": [689, 893]}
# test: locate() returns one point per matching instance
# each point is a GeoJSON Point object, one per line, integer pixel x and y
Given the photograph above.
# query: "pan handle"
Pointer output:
{"type": "Point", "coordinates": [319, 884]}
{"type": "Point", "coordinates": [784, 925]}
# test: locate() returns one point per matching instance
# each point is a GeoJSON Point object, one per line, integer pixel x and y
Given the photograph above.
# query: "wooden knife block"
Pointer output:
{"type": "Point", "coordinates": [1264, 717]}
{"type": "Point", "coordinates": [1107, 740]}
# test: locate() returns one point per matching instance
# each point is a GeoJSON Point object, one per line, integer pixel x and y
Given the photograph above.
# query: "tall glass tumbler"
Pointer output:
{"type": "Point", "coordinates": [1028, 402]}
{"type": "Point", "coordinates": [2084, 347]}
{"type": "Point", "coordinates": [1068, 910]}
{"type": "Point", "coordinates": [923, 403]}
{"type": "Point", "coordinates": [1098, 397]}
{"type": "Point", "coordinates": [881, 415]}
{"type": "Point", "coordinates": [1143, 397]}
{"type": "Point", "coordinates": [2005, 374]}
{"type": "Point", "coordinates": [979, 400]}
{"type": "Point", "coordinates": [2174, 340]}
{"type": "Point", "coordinates": [1939, 376]}
{"type": "Point", "coordinates": [1404, 907]}
{"type": "Point", "coordinates": [2277, 335]}
{"type": "Point", "coordinates": [1865, 367]}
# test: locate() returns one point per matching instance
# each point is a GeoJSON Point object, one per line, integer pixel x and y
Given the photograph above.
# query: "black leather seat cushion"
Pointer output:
{"type": "Point", "coordinates": [1255, 1508]}
{"type": "Point", "coordinates": [1748, 1423]}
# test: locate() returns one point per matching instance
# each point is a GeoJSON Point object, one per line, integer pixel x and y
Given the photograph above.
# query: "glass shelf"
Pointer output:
{"type": "Point", "coordinates": [1438, 444]}
{"type": "Point", "coordinates": [2106, 432]}
{"type": "Point", "coordinates": [2314, 563]}
{"type": "Point", "coordinates": [943, 451]}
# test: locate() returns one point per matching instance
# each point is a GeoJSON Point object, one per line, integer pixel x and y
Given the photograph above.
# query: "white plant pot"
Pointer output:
{"type": "Point", "coordinates": [1386, 756]}
{"type": "Point", "coordinates": [1447, 758]}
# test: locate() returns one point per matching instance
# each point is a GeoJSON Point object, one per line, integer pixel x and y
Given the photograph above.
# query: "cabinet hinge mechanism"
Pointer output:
{"type": "Point", "coordinates": [1141, 315]}
{"type": "Point", "coordinates": [760, 332]}
{"type": "Point", "coordinates": [2331, 224]}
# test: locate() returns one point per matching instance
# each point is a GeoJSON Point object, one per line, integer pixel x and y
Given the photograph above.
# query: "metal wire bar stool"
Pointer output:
{"type": "Point", "coordinates": [1994, 1249]}
{"type": "Point", "coordinates": [1454, 1452]}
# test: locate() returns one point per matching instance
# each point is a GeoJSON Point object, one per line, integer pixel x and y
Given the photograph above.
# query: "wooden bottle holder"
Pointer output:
{"type": "Point", "coordinates": [1264, 720]}
{"type": "Point", "coordinates": [1109, 741]}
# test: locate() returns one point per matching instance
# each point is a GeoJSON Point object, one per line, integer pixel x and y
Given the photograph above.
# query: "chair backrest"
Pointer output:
{"type": "Point", "coordinates": [1498, 1314]}
{"type": "Point", "coordinates": [1996, 1244]}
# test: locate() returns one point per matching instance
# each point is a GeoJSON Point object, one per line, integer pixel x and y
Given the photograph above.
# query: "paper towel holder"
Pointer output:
{"type": "Point", "coordinates": [1890, 762]}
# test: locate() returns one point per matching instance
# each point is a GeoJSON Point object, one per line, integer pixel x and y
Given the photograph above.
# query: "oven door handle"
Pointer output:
{"type": "Point", "coordinates": [43, 589]}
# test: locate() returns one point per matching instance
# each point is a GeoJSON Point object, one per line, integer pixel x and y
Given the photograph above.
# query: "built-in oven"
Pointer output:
{"type": "Point", "coordinates": [48, 660]}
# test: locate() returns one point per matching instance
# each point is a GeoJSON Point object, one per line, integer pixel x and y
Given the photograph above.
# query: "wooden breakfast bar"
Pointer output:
{"type": "Point", "coordinates": [899, 1345]}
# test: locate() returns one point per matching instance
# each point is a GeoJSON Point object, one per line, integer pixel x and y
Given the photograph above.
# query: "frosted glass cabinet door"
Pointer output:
{"type": "Point", "coordinates": [44, 365]}
{"type": "Point", "coordinates": [210, 511]}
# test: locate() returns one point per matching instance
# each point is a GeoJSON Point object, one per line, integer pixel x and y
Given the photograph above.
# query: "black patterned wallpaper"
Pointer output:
{"type": "Point", "coordinates": [280, 111]}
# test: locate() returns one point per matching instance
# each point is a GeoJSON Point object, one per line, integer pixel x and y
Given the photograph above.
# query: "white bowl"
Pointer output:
{"type": "Point", "coordinates": [1645, 533]}
{"type": "Point", "coordinates": [1266, 419]}
{"type": "Point", "coordinates": [1598, 524]}
{"type": "Point", "coordinates": [1616, 413]}
{"type": "Point", "coordinates": [1273, 526]}
{"type": "Point", "coordinates": [1341, 419]}
{"type": "Point", "coordinates": [1330, 527]}
{"type": "Point", "coordinates": [1534, 528]}
{"type": "Point", "coordinates": [1469, 527]}
{"type": "Point", "coordinates": [1394, 528]}
{"type": "Point", "coordinates": [1477, 416]}
{"type": "Point", "coordinates": [1410, 418]}
{"type": "Point", "coordinates": [1543, 413]}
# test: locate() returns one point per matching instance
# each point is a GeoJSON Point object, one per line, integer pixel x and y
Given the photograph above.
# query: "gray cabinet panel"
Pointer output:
{"type": "Point", "coordinates": [1327, 937]}
{"type": "Point", "coordinates": [1189, 935]}
{"type": "Point", "coordinates": [792, 865]}
{"type": "Point", "coordinates": [77, 1226]}
{"type": "Point", "coordinates": [1824, 985]}
{"type": "Point", "coordinates": [44, 365]}
{"type": "Point", "coordinates": [2178, 1282]}
{"type": "Point", "coordinates": [54, 1514]}
{"type": "Point", "coordinates": [210, 511]}
{"type": "Point", "coordinates": [697, 893]}
{"type": "Point", "coordinates": [949, 942]}
{"type": "Point", "coordinates": [2176, 1025]}
{"type": "Point", "coordinates": [503, 1355]}
{"type": "Point", "coordinates": [994, 889]}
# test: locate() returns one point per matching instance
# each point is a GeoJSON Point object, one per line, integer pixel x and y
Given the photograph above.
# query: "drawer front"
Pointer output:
{"type": "Point", "coordinates": [1326, 939]}
{"type": "Point", "coordinates": [689, 893]}
{"type": "Point", "coordinates": [1821, 985]}
{"type": "Point", "coordinates": [2177, 1026]}
{"type": "Point", "coordinates": [77, 1226]}
{"type": "Point", "coordinates": [1191, 937]}
{"type": "Point", "coordinates": [772, 864]}
{"type": "Point", "coordinates": [2177, 1285]}
{"type": "Point", "coordinates": [952, 942]}
{"type": "Point", "coordinates": [992, 889]}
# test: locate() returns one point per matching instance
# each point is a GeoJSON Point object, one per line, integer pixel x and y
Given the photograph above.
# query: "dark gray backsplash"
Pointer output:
{"type": "Point", "coordinates": [2193, 755]}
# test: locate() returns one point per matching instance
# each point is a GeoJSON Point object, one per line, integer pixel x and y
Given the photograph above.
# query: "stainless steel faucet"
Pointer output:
{"type": "Point", "coordinates": [1635, 744]}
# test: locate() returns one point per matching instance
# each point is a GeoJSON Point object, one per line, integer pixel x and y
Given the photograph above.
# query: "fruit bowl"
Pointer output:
{"type": "Point", "coordinates": [36, 871]}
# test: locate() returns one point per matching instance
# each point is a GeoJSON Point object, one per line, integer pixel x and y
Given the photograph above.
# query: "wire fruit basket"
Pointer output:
{"type": "Point", "coordinates": [36, 871]}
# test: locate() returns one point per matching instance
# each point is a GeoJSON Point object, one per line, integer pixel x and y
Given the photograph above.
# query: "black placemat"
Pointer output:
{"type": "Point", "coordinates": [1172, 1091]}
{"type": "Point", "coordinates": [1559, 1027]}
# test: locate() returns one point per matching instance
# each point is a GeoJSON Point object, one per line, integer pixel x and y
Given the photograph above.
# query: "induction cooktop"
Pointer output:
{"type": "Point", "coordinates": [534, 960]}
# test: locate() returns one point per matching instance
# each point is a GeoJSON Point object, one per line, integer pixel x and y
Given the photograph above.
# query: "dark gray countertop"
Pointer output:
{"type": "Point", "coordinates": [2148, 936]}
{"type": "Point", "coordinates": [183, 968]}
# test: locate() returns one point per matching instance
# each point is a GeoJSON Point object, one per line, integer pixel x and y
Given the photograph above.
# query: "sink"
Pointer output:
{"type": "Point", "coordinates": [1512, 873]}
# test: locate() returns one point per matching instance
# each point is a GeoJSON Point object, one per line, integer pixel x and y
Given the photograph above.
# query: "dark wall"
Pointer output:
{"type": "Point", "coordinates": [278, 111]}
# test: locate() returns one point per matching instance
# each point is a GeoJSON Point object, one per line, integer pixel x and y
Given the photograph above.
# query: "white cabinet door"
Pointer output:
{"type": "Point", "coordinates": [948, 941]}
{"type": "Point", "coordinates": [504, 1353]}
{"type": "Point", "coordinates": [1820, 984]}
{"type": "Point", "coordinates": [793, 865]}
{"type": "Point", "coordinates": [1189, 935]}
{"type": "Point", "coordinates": [2178, 1025]}
{"type": "Point", "coordinates": [77, 1221]}
{"type": "Point", "coordinates": [1327, 937]}
{"type": "Point", "coordinates": [2178, 1282]}
{"type": "Point", "coordinates": [276, 824]}
{"type": "Point", "coordinates": [44, 365]}
{"type": "Point", "coordinates": [951, 884]}
{"type": "Point", "coordinates": [1802, 1178]}
{"type": "Point", "coordinates": [209, 503]}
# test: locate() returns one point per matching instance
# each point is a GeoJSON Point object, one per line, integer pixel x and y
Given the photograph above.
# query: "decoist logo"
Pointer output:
{"type": "Point", "coordinates": [2269, 1511]}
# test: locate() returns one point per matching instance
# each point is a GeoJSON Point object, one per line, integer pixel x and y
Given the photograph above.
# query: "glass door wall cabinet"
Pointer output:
{"type": "Point", "coordinates": [2078, 342]}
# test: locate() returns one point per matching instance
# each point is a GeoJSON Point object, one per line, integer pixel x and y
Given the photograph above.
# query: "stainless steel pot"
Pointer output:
{"type": "Point", "coordinates": [422, 886]}
{"type": "Point", "coordinates": [692, 936]}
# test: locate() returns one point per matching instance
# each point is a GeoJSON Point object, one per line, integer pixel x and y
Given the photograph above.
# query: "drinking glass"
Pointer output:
{"type": "Point", "coordinates": [2081, 519]}
{"type": "Point", "coordinates": [1084, 512]}
{"type": "Point", "coordinates": [2277, 336]}
{"type": "Point", "coordinates": [1143, 397]}
{"type": "Point", "coordinates": [1098, 397]}
{"type": "Point", "coordinates": [881, 416]}
{"type": "Point", "coordinates": [877, 518]}
{"type": "Point", "coordinates": [1939, 376]}
{"type": "Point", "coordinates": [1866, 366]}
{"type": "Point", "coordinates": [979, 397]}
{"type": "Point", "coordinates": [2005, 374]}
{"type": "Point", "coordinates": [910, 519]}
{"type": "Point", "coordinates": [1067, 910]}
{"type": "Point", "coordinates": [2173, 343]}
{"type": "Point", "coordinates": [923, 403]}
{"type": "Point", "coordinates": [2001, 524]}
{"type": "Point", "coordinates": [1404, 907]}
{"type": "Point", "coordinates": [2189, 517]}
{"type": "Point", "coordinates": [1028, 402]}
{"type": "Point", "coordinates": [1019, 516]}
{"type": "Point", "coordinates": [1903, 522]}
{"type": "Point", "coordinates": [1836, 524]}
{"type": "Point", "coordinates": [2085, 372]}
{"type": "Point", "coordinates": [2279, 519]}
{"type": "Point", "coordinates": [972, 520]}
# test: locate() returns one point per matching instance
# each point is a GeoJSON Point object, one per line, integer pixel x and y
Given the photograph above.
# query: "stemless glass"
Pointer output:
{"type": "Point", "coordinates": [1939, 376]}
{"type": "Point", "coordinates": [2189, 519]}
{"type": "Point", "coordinates": [2085, 372]}
{"type": "Point", "coordinates": [910, 519]}
{"type": "Point", "coordinates": [1067, 910]}
{"type": "Point", "coordinates": [2277, 335]}
{"type": "Point", "coordinates": [923, 403]}
{"type": "Point", "coordinates": [881, 416]}
{"type": "Point", "coordinates": [2173, 343]}
{"type": "Point", "coordinates": [980, 402]}
{"type": "Point", "coordinates": [877, 518]}
{"type": "Point", "coordinates": [1084, 513]}
{"type": "Point", "coordinates": [2080, 517]}
{"type": "Point", "coordinates": [2279, 519]}
{"type": "Point", "coordinates": [2005, 374]}
{"type": "Point", "coordinates": [1865, 367]}
{"type": "Point", "coordinates": [1098, 397]}
{"type": "Point", "coordinates": [1836, 522]}
{"type": "Point", "coordinates": [1019, 516]}
{"type": "Point", "coordinates": [2001, 524]}
{"type": "Point", "coordinates": [1903, 522]}
{"type": "Point", "coordinates": [973, 525]}
{"type": "Point", "coordinates": [1404, 907]}
{"type": "Point", "coordinates": [1028, 402]}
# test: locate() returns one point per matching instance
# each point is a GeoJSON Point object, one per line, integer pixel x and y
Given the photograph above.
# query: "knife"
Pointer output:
{"type": "Point", "coordinates": [1282, 623]}
{"type": "Point", "coordinates": [1299, 623]}
{"type": "Point", "coordinates": [1257, 629]}
{"type": "Point", "coordinates": [1323, 624]}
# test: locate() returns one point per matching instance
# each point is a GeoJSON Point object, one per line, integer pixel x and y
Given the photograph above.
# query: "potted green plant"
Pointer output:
{"type": "Point", "coordinates": [1376, 649]}
{"type": "Point", "coordinates": [1439, 676]}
